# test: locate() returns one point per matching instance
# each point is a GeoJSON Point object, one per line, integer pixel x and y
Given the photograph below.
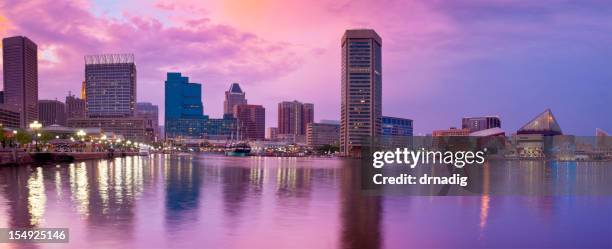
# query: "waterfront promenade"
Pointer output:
{"type": "Point", "coordinates": [22, 157]}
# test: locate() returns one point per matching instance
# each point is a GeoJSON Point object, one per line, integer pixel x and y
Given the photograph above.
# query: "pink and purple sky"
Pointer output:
{"type": "Point", "coordinates": [442, 60]}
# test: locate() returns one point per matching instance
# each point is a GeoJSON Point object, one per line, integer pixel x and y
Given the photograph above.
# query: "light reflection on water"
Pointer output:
{"type": "Point", "coordinates": [211, 201]}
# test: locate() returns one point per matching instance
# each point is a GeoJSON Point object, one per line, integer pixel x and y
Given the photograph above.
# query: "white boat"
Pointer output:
{"type": "Point", "coordinates": [143, 151]}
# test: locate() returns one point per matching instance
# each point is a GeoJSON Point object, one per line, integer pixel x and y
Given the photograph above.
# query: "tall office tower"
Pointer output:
{"type": "Point", "coordinates": [184, 117]}
{"type": "Point", "coordinates": [1, 97]}
{"type": "Point", "coordinates": [361, 90]}
{"type": "Point", "coordinates": [150, 113]}
{"type": "Point", "coordinates": [51, 112]}
{"type": "Point", "coordinates": [480, 123]}
{"type": "Point", "coordinates": [75, 107]}
{"type": "Point", "coordinates": [110, 85]}
{"type": "Point", "coordinates": [293, 117]}
{"type": "Point", "coordinates": [251, 121]}
{"type": "Point", "coordinates": [234, 96]}
{"type": "Point", "coordinates": [20, 70]}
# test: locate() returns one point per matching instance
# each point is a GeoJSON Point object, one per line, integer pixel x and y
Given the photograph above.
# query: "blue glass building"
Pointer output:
{"type": "Point", "coordinates": [184, 116]}
{"type": "Point", "coordinates": [392, 126]}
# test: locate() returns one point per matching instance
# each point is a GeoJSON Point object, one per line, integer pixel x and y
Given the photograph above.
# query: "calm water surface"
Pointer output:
{"type": "Point", "coordinates": [211, 201]}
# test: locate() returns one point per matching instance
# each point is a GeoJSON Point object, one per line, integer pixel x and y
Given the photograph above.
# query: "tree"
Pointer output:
{"type": "Point", "coordinates": [23, 137]}
{"type": "Point", "coordinates": [45, 137]}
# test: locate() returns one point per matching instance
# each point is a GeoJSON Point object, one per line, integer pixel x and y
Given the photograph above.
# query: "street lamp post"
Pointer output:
{"type": "Point", "coordinates": [35, 126]}
{"type": "Point", "coordinates": [81, 134]}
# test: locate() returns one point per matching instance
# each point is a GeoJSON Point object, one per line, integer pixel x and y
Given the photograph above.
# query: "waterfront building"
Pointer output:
{"type": "Point", "coordinates": [361, 89]}
{"type": "Point", "coordinates": [132, 128]}
{"type": "Point", "coordinates": [536, 139]}
{"type": "Point", "coordinates": [150, 112]}
{"type": "Point", "coordinates": [110, 85]}
{"type": "Point", "coordinates": [544, 124]}
{"type": "Point", "coordinates": [20, 75]}
{"type": "Point", "coordinates": [272, 133]}
{"type": "Point", "coordinates": [51, 112]}
{"type": "Point", "coordinates": [319, 134]}
{"type": "Point", "coordinates": [251, 121]}
{"type": "Point", "coordinates": [9, 117]}
{"type": "Point", "coordinates": [396, 127]}
{"type": "Point", "coordinates": [293, 116]}
{"type": "Point", "coordinates": [220, 128]}
{"type": "Point", "coordinates": [75, 107]}
{"type": "Point", "coordinates": [452, 132]}
{"type": "Point", "coordinates": [184, 117]}
{"type": "Point", "coordinates": [480, 123]}
{"type": "Point", "coordinates": [234, 96]}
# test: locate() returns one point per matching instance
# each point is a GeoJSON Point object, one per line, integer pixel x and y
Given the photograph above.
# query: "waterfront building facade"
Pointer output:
{"type": "Point", "coordinates": [52, 112]}
{"type": "Point", "coordinates": [220, 128]}
{"type": "Point", "coordinates": [452, 132]}
{"type": "Point", "coordinates": [396, 127]}
{"type": "Point", "coordinates": [251, 121]}
{"type": "Point", "coordinates": [234, 96]}
{"type": "Point", "coordinates": [319, 134]}
{"type": "Point", "coordinates": [361, 90]}
{"type": "Point", "coordinates": [132, 128]}
{"type": "Point", "coordinates": [20, 75]}
{"type": "Point", "coordinates": [480, 123]}
{"type": "Point", "coordinates": [110, 85]}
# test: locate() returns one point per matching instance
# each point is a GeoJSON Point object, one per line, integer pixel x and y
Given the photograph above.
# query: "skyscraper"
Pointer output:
{"type": "Point", "coordinates": [184, 117]}
{"type": "Point", "coordinates": [361, 89]}
{"type": "Point", "coordinates": [294, 116]}
{"type": "Point", "coordinates": [234, 96]}
{"type": "Point", "coordinates": [20, 68]}
{"type": "Point", "coordinates": [150, 113]}
{"type": "Point", "coordinates": [51, 112]}
{"type": "Point", "coordinates": [75, 107]}
{"type": "Point", "coordinates": [480, 123]}
{"type": "Point", "coordinates": [251, 121]}
{"type": "Point", "coordinates": [110, 85]}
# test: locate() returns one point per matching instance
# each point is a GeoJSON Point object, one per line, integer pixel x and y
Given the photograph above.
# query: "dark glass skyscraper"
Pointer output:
{"type": "Point", "coordinates": [234, 96]}
{"type": "Point", "coordinates": [20, 68]}
{"type": "Point", "coordinates": [361, 89]}
{"type": "Point", "coordinates": [110, 82]}
{"type": "Point", "coordinates": [184, 117]}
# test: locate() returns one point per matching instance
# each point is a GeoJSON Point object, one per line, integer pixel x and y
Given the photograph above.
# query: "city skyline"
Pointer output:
{"type": "Point", "coordinates": [451, 66]}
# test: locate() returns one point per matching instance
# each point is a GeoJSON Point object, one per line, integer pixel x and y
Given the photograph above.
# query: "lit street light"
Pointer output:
{"type": "Point", "coordinates": [35, 126]}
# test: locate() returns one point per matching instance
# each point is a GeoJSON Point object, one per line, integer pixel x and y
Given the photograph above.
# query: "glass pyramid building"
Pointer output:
{"type": "Point", "coordinates": [543, 124]}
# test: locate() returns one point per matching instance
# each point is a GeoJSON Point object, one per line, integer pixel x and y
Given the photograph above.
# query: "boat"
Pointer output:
{"type": "Point", "coordinates": [238, 149]}
{"type": "Point", "coordinates": [143, 151]}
